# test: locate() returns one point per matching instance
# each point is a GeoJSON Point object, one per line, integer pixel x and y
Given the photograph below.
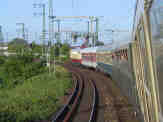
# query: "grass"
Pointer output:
{"type": "Point", "coordinates": [36, 99]}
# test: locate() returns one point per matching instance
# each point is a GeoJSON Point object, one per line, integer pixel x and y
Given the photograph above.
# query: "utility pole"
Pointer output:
{"type": "Point", "coordinates": [88, 27]}
{"type": "Point", "coordinates": [72, 3]}
{"type": "Point", "coordinates": [58, 29]}
{"type": "Point", "coordinates": [58, 40]}
{"type": "Point", "coordinates": [43, 14]}
{"type": "Point", "coordinates": [23, 34]}
{"type": "Point", "coordinates": [51, 25]}
{"type": "Point", "coordinates": [67, 36]}
{"type": "Point", "coordinates": [92, 33]}
{"type": "Point", "coordinates": [97, 28]}
{"type": "Point", "coordinates": [43, 29]}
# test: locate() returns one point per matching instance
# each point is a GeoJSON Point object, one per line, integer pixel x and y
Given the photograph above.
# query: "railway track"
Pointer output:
{"type": "Point", "coordinates": [79, 101]}
{"type": "Point", "coordinates": [95, 98]}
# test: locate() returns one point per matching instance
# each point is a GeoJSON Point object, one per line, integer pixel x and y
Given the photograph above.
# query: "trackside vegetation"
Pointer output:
{"type": "Point", "coordinates": [27, 91]}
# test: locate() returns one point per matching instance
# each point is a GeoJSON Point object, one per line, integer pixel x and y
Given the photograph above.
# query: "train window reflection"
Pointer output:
{"type": "Point", "coordinates": [157, 20]}
{"type": "Point", "coordinates": [161, 21]}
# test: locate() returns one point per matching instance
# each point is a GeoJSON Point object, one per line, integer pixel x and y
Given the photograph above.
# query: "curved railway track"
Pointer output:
{"type": "Point", "coordinates": [95, 98]}
{"type": "Point", "coordinates": [74, 105]}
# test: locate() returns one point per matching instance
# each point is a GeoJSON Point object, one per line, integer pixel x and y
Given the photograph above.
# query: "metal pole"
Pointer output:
{"type": "Point", "coordinates": [72, 3]}
{"type": "Point", "coordinates": [59, 30]}
{"type": "Point", "coordinates": [43, 29]}
{"type": "Point", "coordinates": [23, 31]}
{"type": "Point", "coordinates": [43, 36]}
{"type": "Point", "coordinates": [66, 36]}
{"type": "Point", "coordinates": [50, 33]}
{"type": "Point", "coordinates": [97, 28]}
{"type": "Point", "coordinates": [92, 34]}
{"type": "Point", "coordinates": [91, 30]}
{"type": "Point", "coordinates": [88, 28]}
{"type": "Point", "coordinates": [113, 36]}
{"type": "Point", "coordinates": [51, 25]}
{"type": "Point", "coordinates": [58, 40]}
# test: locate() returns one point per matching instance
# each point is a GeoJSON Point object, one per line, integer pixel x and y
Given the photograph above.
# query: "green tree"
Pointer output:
{"type": "Point", "coordinates": [18, 41]}
{"type": "Point", "coordinates": [99, 43]}
{"type": "Point", "coordinates": [35, 48]}
{"type": "Point", "coordinates": [65, 49]}
{"type": "Point", "coordinates": [16, 69]}
{"type": "Point", "coordinates": [56, 50]}
{"type": "Point", "coordinates": [18, 45]}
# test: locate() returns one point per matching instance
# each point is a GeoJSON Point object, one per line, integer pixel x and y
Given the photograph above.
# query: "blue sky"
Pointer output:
{"type": "Point", "coordinates": [118, 14]}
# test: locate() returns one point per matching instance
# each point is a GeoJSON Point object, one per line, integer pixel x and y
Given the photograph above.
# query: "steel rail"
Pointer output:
{"type": "Point", "coordinates": [64, 110]}
{"type": "Point", "coordinates": [95, 102]}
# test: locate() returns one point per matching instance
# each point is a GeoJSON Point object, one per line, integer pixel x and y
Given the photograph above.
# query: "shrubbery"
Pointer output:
{"type": "Point", "coordinates": [2, 60]}
{"type": "Point", "coordinates": [27, 91]}
{"type": "Point", "coordinates": [16, 69]}
{"type": "Point", "coordinates": [36, 99]}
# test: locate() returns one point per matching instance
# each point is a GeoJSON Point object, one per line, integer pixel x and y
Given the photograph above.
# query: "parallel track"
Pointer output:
{"type": "Point", "coordinates": [68, 111]}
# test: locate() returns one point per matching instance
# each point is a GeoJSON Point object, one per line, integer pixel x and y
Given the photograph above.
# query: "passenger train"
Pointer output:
{"type": "Point", "coordinates": [136, 67]}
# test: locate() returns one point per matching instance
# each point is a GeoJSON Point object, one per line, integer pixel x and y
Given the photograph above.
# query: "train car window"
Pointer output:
{"type": "Point", "coordinates": [156, 18]}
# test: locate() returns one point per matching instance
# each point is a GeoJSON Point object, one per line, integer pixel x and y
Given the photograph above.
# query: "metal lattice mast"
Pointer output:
{"type": "Point", "coordinates": [43, 14]}
{"type": "Point", "coordinates": [43, 29]}
{"type": "Point", "coordinates": [88, 27]}
{"type": "Point", "coordinates": [92, 34]}
{"type": "Point", "coordinates": [97, 29]}
{"type": "Point", "coordinates": [59, 30]}
{"type": "Point", "coordinates": [50, 32]}
{"type": "Point", "coordinates": [58, 40]}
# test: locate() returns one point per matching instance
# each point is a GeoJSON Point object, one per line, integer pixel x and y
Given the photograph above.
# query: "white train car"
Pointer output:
{"type": "Point", "coordinates": [75, 55]}
{"type": "Point", "coordinates": [89, 57]}
{"type": "Point", "coordinates": [104, 59]}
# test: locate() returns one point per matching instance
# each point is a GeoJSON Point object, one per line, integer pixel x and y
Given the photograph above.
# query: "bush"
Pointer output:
{"type": "Point", "coordinates": [36, 99]}
{"type": "Point", "coordinates": [2, 60]}
{"type": "Point", "coordinates": [15, 69]}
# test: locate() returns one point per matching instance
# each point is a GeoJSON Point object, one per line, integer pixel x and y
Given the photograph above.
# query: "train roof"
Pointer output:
{"type": "Point", "coordinates": [125, 46]}
{"type": "Point", "coordinates": [89, 50]}
{"type": "Point", "coordinates": [75, 50]}
{"type": "Point", "coordinates": [105, 48]}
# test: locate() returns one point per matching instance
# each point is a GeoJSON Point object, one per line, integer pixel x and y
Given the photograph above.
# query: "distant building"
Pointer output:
{"type": "Point", "coordinates": [3, 46]}
{"type": "Point", "coordinates": [1, 35]}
